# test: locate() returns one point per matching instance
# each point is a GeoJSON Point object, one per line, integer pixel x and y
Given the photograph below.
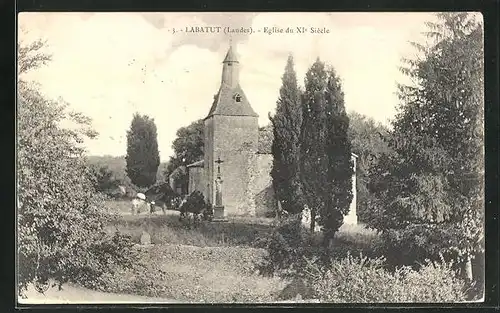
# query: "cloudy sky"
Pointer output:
{"type": "Point", "coordinates": [110, 65]}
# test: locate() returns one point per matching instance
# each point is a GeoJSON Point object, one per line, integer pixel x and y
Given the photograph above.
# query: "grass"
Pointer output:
{"type": "Point", "coordinates": [122, 207]}
{"type": "Point", "coordinates": [201, 275]}
{"type": "Point", "coordinates": [357, 236]}
{"type": "Point", "coordinates": [168, 229]}
{"type": "Point", "coordinates": [210, 262]}
{"type": "Point", "coordinates": [217, 274]}
{"type": "Point", "coordinates": [237, 231]}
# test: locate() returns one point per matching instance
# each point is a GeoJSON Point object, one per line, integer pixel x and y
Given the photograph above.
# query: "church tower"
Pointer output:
{"type": "Point", "coordinates": [231, 134]}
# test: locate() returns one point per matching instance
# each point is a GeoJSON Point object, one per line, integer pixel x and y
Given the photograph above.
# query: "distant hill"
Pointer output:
{"type": "Point", "coordinates": [117, 165]}
{"type": "Point", "coordinates": [114, 163]}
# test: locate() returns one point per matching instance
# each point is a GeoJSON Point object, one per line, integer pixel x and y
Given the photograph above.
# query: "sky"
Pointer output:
{"type": "Point", "coordinates": [111, 65]}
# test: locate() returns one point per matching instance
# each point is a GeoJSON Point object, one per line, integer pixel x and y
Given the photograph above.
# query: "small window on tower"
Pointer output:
{"type": "Point", "coordinates": [237, 98]}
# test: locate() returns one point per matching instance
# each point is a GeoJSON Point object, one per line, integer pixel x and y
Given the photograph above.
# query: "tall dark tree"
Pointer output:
{"type": "Point", "coordinates": [434, 187]}
{"type": "Point", "coordinates": [313, 159]}
{"type": "Point", "coordinates": [143, 157]}
{"type": "Point", "coordinates": [286, 127]}
{"type": "Point", "coordinates": [337, 193]}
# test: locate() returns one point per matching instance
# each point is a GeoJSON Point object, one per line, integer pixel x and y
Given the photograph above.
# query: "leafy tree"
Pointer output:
{"type": "Point", "coordinates": [325, 159]}
{"type": "Point", "coordinates": [369, 142]}
{"type": "Point", "coordinates": [286, 126]}
{"type": "Point", "coordinates": [143, 157]}
{"type": "Point", "coordinates": [56, 192]}
{"type": "Point", "coordinates": [337, 189]}
{"type": "Point", "coordinates": [435, 182]}
{"type": "Point", "coordinates": [30, 56]}
{"type": "Point", "coordinates": [188, 148]}
{"type": "Point", "coordinates": [103, 178]}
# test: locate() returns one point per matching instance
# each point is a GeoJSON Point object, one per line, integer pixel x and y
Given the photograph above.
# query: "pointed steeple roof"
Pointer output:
{"type": "Point", "coordinates": [231, 54]}
{"type": "Point", "coordinates": [230, 100]}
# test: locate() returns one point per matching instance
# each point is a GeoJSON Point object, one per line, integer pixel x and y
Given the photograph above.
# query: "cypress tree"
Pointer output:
{"type": "Point", "coordinates": [337, 194]}
{"type": "Point", "coordinates": [143, 157]}
{"type": "Point", "coordinates": [286, 143]}
{"type": "Point", "coordinates": [313, 159]}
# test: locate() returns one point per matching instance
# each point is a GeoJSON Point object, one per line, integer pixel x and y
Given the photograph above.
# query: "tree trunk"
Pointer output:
{"type": "Point", "coordinates": [468, 268]}
{"type": "Point", "coordinates": [328, 239]}
{"type": "Point", "coordinates": [313, 221]}
{"type": "Point", "coordinates": [278, 209]}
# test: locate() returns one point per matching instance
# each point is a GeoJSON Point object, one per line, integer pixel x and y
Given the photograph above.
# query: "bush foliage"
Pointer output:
{"type": "Point", "coordinates": [196, 204]}
{"type": "Point", "coordinates": [364, 280]}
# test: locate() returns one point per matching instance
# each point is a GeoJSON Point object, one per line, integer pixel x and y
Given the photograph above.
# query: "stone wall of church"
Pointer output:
{"type": "Point", "coordinates": [208, 162]}
{"type": "Point", "coordinates": [260, 193]}
{"type": "Point", "coordinates": [234, 140]}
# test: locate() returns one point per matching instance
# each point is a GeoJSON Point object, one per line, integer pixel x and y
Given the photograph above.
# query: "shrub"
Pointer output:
{"type": "Point", "coordinates": [287, 246]}
{"type": "Point", "coordinates": [414, 244]}
{"type": "Point", "coordinates": [143, 278]}
{"type": "Point", "coordinates": [208, 213]}
{"type": "Point", "coordinates": [196, 204]}
{"type": "Point", "coordinates": [364, 280]}
{"type": "Point", "coordinates": [113, 255]}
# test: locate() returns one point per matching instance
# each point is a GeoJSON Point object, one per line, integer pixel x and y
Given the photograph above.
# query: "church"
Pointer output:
{"type": "Point", "coordinates": [236, 166]}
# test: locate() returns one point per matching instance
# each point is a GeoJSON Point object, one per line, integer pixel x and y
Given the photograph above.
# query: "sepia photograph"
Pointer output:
{"type": "Point", "coordinates": [253, 158]}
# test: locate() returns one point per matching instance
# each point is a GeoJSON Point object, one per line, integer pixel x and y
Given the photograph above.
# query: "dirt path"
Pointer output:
{"type": "Point", "coordinates": [72, 294]}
